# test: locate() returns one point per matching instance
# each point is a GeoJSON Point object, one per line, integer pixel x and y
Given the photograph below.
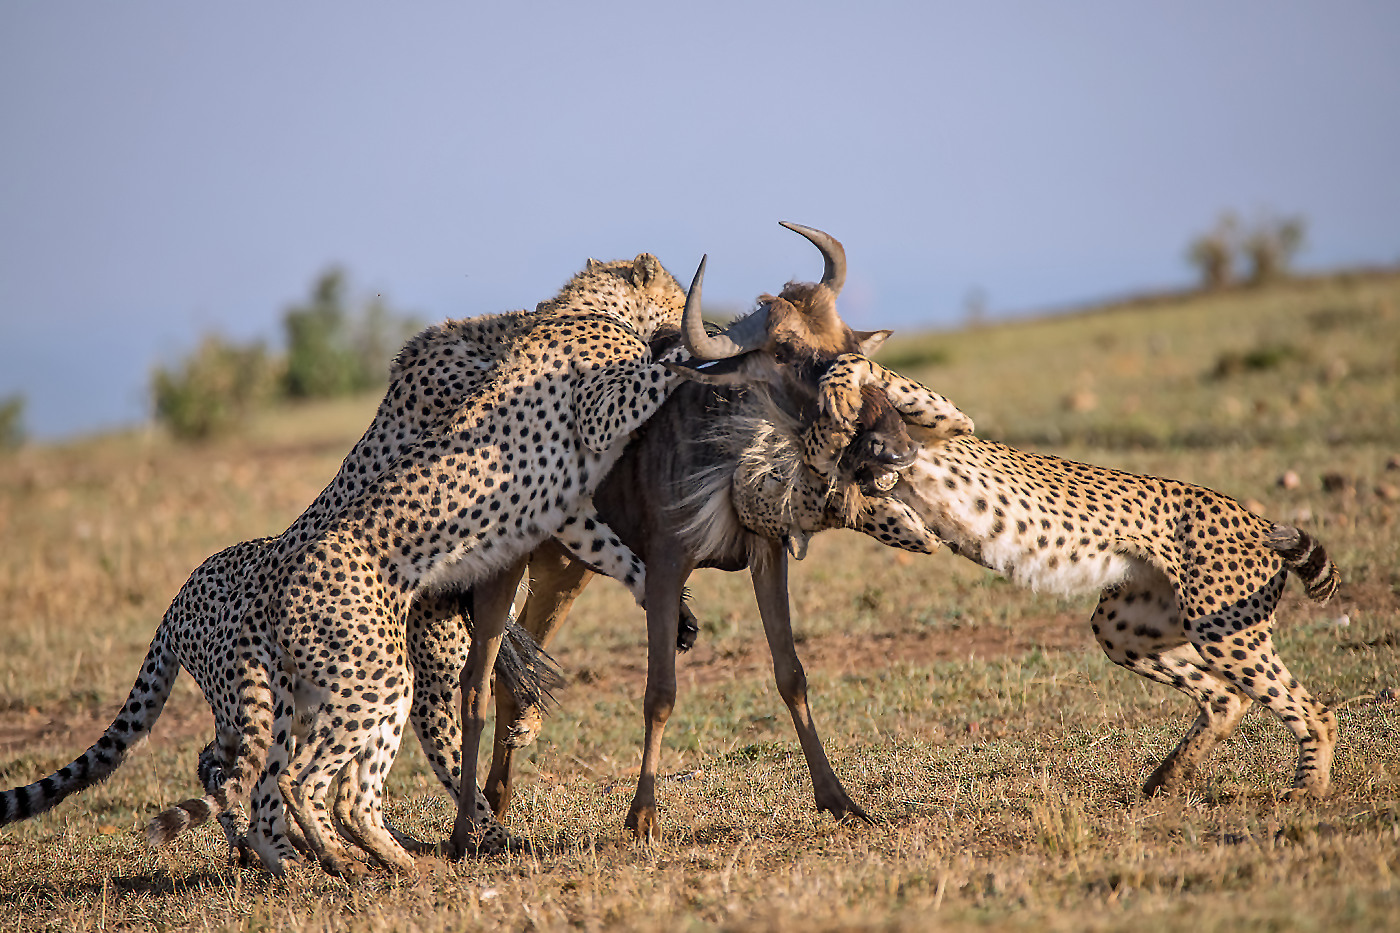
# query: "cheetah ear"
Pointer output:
{"type": "Point", "coordinates": [645, 269]}
{"type": "Point", "coordinates": [871, 340]}
{"type": "Point", "coordinates": [592, 265]}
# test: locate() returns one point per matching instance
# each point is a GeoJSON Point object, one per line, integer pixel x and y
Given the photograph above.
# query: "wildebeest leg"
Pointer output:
{"type": "Point", "coordinates": [491, 602]}
{"type": "Point", "coordinates": [667, 570]}
{"type": "Point", "coordinates": [770, 586]}
{"type": "Point", "coordinates": [556, 580]}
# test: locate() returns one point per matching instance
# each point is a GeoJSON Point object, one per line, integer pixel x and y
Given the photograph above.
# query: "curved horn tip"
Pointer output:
{"type": "Point", "coordinates": [833, 254]}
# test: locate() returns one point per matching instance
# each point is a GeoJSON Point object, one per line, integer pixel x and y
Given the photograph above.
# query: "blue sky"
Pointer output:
{"type": "Point", "coordinates": [173, 169]}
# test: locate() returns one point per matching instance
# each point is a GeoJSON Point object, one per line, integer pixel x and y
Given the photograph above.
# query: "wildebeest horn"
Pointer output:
{"type": "Point", "coordinates": [744, 335]}
{"type": "Point", "coordinates": [833, 253]}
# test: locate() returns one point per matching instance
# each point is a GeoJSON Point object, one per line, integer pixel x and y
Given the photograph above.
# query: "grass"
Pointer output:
{"type": "Point", "coordinates": [1000, 750]}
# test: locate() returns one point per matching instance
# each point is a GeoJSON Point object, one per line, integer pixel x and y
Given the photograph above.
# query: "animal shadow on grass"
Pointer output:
{"type": "Point", "coordinates": [158, 883]}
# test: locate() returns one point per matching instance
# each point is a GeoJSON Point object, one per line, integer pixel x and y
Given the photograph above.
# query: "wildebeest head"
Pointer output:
{"type": "Point", "coordinates": [790, 336]}
{"type": "Point", "coordinates": [786, 344]}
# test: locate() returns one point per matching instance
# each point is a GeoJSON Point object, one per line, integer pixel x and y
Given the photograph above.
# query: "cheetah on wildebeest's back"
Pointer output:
{"type": "Point", "coordinates": [1190, 580]}
{"type": "Point", "coordinates": [509, 467]}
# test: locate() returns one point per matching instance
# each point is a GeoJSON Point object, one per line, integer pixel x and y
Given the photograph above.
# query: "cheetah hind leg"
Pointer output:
{"type": "Point", "coordinates": [358, 809]}
{"type": "Point", "coordinates": [303, 787]}
{"type": "Point", "coordinates": [1221, 710]}
{"type": "Point", "coordinates": [268, 835]}
{"type": "Point", "coordinates": [213, 769]}
{"type": "Point", "coordinates": [1248, 659]}
{"type": "Point", "coordinates": [1138, 627]}
{"type": "Point", "coordinates": [358, 812]}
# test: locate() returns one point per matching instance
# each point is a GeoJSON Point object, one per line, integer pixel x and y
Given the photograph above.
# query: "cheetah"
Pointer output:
{"type": "Point", "coordinates": [1189, 580]}
{"type": "Point", "coordinates": [196, 634]}
{"type": "Point", "coordinates": [511, 464]}
{"type": "Point", "coordinates": [191, 637]}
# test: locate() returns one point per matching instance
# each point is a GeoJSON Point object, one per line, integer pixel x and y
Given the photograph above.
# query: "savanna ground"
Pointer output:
{"type": "Point", "coordinates": [1000, 750]}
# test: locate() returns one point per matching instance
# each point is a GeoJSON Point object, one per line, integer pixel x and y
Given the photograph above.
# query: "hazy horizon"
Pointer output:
{"type": "Point", "coordinates": [173, 171]}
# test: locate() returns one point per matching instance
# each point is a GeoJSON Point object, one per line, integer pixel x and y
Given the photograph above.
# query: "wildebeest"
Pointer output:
{"type": "Point", "coordinates": [673, 499]}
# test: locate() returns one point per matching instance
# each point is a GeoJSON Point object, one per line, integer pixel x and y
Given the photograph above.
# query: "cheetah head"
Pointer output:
{"type": "Point", "coordinates": [882, 448]}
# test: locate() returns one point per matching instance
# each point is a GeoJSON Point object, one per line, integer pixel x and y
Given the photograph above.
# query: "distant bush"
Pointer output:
{"type": "Point", "coordinates": [215, 388]}
{"type": "Point", "coordinates": [332, 350]}
{"type": "Point", "coordinates": [1271, 247]}
{"type": "Point", "coordinates": [1213, 252]}
{"type": "Point", "coordinates": [11, 422]}
{"type": "Point", "coordinates": [1263, 357]}
{"type": "Point", "coordinates": [1266, 249]}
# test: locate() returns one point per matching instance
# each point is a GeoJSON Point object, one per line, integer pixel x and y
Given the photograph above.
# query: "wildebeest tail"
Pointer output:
{"type": "Point", "coordinates": [526, 669]}
{"type": "Point", "coordinates": [1307, 558]}
{"type": "Point", "coordinates": [131, 727]}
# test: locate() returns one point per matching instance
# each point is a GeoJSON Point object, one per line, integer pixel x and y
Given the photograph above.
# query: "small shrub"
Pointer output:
{"type": "Point", "coordinates": [1266, 249]}
{"type": "Point", "coordinates": [213, 389]}
{"type": "Point", "coordinates": [1213, 252]}
{"type": "Point", "coordinates": [1271, 247]}
{"type": "Point", "coordinates": [1259, 359]}
{"type": "Point", "coordinates": [320, 360]}
{"type": "Point", "coordinates": [11, 422]}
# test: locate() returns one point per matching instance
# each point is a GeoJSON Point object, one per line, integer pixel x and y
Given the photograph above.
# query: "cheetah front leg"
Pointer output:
{"type": "Point", "coordinates": [839, 401]}
{"type": "Point", "coordinates": [891, 522]}
{"type": "Point", "coordinates": [591, 541]}
{"type": "Point", "coordinates": [612, 401]}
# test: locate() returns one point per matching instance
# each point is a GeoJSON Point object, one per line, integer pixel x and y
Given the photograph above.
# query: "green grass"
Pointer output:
{"type": "Point", "coordinates": [1000, 750]}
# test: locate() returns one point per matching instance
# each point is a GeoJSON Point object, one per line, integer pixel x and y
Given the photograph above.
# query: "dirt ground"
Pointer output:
{"type": "Point", "coordinates": [186, 716]}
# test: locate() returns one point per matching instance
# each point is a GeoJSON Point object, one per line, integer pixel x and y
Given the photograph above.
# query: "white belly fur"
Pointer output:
{"type": "Point", "coordinates": [952, 516]}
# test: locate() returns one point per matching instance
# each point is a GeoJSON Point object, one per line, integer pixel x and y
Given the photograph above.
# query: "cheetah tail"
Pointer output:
{"type": "Point", "coordinates": [131, 727]}
{"type": "Point", "coordinates": [255, 723]}
{"type": "Point", "coordinates": [1307, 558]}
{"type": "Point", "coordinates": [526, 669]}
